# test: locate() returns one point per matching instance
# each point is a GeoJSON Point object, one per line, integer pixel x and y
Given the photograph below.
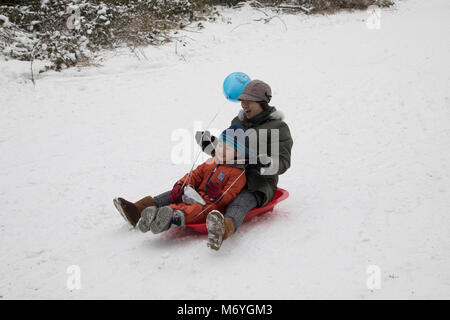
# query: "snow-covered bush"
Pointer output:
{"type": "Point", "coordinates": [323, 6]}
{"type": "Point", "coordinates": [69, 32]}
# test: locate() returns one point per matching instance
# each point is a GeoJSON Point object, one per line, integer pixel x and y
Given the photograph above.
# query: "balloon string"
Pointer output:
{"type": "Point", "coordinates": [200, 151]}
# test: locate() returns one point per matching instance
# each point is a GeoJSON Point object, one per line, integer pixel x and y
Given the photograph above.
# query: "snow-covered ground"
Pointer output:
{"type": "Point", "coordinates": [369, 111]}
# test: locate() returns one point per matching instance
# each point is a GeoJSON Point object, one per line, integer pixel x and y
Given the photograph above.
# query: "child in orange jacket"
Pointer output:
{"type": "Point", "coordinates": [218, 181]}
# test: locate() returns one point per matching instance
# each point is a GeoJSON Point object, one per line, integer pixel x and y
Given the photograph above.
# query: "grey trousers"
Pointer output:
{"type": "Point", "coordinates": [236, 210]}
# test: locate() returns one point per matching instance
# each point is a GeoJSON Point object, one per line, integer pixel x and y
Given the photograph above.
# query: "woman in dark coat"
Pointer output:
{"type": "Point", "coordinates": [271, 145]}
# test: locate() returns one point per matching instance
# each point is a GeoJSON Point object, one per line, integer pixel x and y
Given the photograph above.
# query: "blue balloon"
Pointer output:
{"type": "Point", "coordinates": [234, 84]}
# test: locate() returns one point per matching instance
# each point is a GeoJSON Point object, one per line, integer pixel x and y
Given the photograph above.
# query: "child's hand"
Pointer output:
{"type": "Point", "coordinates": [177, 192]}
{"type": "Point", "coordinates": [214, 191]}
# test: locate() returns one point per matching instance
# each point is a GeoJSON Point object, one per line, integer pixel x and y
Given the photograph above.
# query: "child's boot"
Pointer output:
{"type": "Point", "coordinates": [219, 229]}
{"type": "Point", "coordinates": [147, 217]}
{"type": "Point", "coordinates": [178, 218]}
{"type": "Point", "coordinates": [131, 212]}
{"type": "Point", "coordinates": [163, 220]}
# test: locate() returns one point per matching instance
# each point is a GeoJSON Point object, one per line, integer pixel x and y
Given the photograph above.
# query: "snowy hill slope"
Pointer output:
{"type": "Point", "coordinates": [369, 111]}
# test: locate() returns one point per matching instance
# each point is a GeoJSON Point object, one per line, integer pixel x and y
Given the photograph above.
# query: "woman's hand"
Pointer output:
{"type": "Point", "coordinates": [265, 164]}
{"type": "Point", "coordinates": [206, 142]}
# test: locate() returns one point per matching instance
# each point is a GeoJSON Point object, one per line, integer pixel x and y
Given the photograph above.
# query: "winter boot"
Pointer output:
{"type": "Point", "coordinates": [131, 212]}
{"type": "Point", "coordinates": [147, 217]}
{"type": "Point", "coordinates": [144, 203]}
{"type": "Point", "coordinates": [219, 229]}
{"type": "Point", "coordinates": [163, 220]}
{"type": "Point", "coordinates": [178, 218]}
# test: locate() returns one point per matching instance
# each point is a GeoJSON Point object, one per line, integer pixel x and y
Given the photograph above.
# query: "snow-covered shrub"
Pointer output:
{"type": "Point", "coordinates": [320, 6]}
{"type": "Point", "coordinates": [69, 32]}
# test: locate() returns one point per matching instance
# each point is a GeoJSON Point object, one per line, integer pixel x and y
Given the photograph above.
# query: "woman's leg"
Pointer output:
{"type": "Point", "coordinates": [221, 227]}
{"type": "Point", "coordinates": [130, 211]}
{"type": "Point", "coordinates": [162, 199]}
{"type": "Point", "coordinates": [238, 208]}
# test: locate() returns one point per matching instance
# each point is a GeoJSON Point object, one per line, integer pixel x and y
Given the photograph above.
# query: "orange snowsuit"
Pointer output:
{"type": "Point", "coordinates": [211, 172]}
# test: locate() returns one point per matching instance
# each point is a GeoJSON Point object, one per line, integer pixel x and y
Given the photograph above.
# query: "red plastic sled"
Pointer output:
{"type": "Point", "coordinates": [279, 196]}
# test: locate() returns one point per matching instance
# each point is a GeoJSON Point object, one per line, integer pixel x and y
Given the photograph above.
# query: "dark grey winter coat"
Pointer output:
{"type": "Point", "coordinates": [269, 119]}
